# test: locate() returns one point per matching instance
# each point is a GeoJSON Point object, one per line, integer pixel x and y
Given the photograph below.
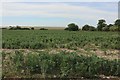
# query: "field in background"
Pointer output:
{"type": "Point", "coordinates": [36, 27]}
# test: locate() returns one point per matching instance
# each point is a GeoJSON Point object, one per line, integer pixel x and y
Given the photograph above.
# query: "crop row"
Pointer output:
{"type": "Point", "coordinates": [17, 39]}
{"type": "Point", "coordinates": [59, 65]}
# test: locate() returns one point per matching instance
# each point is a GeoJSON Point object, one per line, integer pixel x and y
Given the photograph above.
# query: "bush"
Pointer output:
{"type": "Point", "coordinates": [24, 29]}
{"type": "Point", "coordinates": [92, 28]}
{"type": "Point", "coordinates": [114, 28]}
{"type": "Point", "coordinates": [43, 29]}
{"type": "Point", "coordinates": [32, 28]}
{"type": "Point", "coordinates": [18, 28]}
{"type": "Point", "coordinates": [4, 28]}
{"type": "Point", "coordinates": [72, 27]}
{"type": "Point", "coordinates": [66, 29]}
{"type": "Point", "coordinates": [101, 24]}
{"type": "Point", "coordinates": [117, 22]}
{"type": "Point", "coordinates": [88, 28]}
{"type": "Point", "coordinates": [85, 27]}
{"type": "Point", "coordinates": [105, 28]}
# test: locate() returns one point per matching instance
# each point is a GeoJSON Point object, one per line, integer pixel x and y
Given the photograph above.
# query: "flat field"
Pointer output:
{"type": "Point", "coordinates": [59, 53]}
{"type": "Point", "coordinates": [40, 39]}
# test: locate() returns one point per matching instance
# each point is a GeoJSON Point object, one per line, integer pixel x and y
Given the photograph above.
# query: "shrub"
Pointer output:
{"type": "Point", "coordinates": [105, 28]}
{"type": "Point", "coordinates": [43, 29]}
{"type": "Point", "coordinates": [4, 28]}
{"type": "Point", "coordinates": [66, 29]}
{"type": "Point", "coordinates": [85, 27]}
{"type": "Point", "coordinates": [114, 28]}
{"type": "Point", "coordinates": [32, 28]}
{"type": "Point", "coordinates": [18, 28]}
{"type": "Point", "coordinates": [72, 27]}
{"type": "Point", "coordinates": [88, 28]}
{"type": "Point", "coordinates": [92, 28]}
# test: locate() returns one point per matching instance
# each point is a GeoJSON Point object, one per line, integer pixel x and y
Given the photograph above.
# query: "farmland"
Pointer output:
{"type": "Point", "coordinates": [36, 39]}
{"type": "Point", "coordinates": [60, 54]}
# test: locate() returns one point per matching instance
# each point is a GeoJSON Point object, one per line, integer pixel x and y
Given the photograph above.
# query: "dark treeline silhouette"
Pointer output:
{"type": "Point", "coordinates": [43, 29]}
{"type": "Point", "coordinates": [101, 26]}
{"type": "Point", "coordinates": [72, 27]}
{"type": "Point", "coordinates": [18, 28]}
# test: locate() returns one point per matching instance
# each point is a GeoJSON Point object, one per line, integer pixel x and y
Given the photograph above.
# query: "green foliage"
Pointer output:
{"type": "Point", "coordinates": [35, 39]}
{"type": "Point", "coordinates": [117, 22]}
{"type": "Point", "coordinates": [18, 60]}
{"type": "Point", "coordinates": [4, 28]}
{"type": "Point", "coordinates": [114, 28]}
{"type": "Point", "coordinates": [18, 28]}
{"type": "Point", "coordinates": [88, 28]}
{"type": "Point", "coordinates": [43, 29]}
{"type": "Point", "coordinates": [92, 28]}
{"type": "Point", "coordinates": [32, 28]}
{"type": "Point", "coordinates": [101, 24]}
{"type": "Point", "coordinates": [110, 25]}
{"type": "Point", "coordinates": [64, 65]}
{"type": "Point", "coordinates": [72, 27]}
{"type": "Point", "coordinates": [106, 28]}
{"type": "Point", "coordinates": [66, 28]}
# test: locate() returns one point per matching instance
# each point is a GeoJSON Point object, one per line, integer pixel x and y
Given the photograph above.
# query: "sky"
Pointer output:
{"type": "Point", "coordinates": [59, 0]}
{"type": "Point", "coordinates": [58, 14]}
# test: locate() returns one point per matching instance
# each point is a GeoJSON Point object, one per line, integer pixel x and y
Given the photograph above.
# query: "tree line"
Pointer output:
{"type": "Point", "coordinates": [20, 28]}
{"type": "Point", "coordinates": [101, 26]}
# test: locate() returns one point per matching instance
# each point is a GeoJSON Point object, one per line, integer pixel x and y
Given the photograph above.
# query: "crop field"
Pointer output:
{"type": "Point", "coordinates": [36, 39]}
{"type": "Point", "coordinates": [60, 54]}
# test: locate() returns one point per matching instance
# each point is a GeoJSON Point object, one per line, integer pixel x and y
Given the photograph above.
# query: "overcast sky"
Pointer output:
{"type": "Point", "coordinates": [58, 13]}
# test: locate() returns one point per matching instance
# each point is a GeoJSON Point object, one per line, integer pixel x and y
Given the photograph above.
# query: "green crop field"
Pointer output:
{"type": "Point", "coordinates": [36, 39]}
{"type": "Point", "coordinates": [60, 54]}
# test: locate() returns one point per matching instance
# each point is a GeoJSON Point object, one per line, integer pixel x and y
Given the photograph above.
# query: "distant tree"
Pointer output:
{"type": "Point", "coordinates": [88, 28]}
{"type": "Point", "coordinates": [11, 28]}
{"type": "Point", "coordinates": [85, 27]}
{"type": "Point", "coordinates": [114, 28]}
{"type": "Point", "coordinates": [4, 28]}
{"type": "Point", "coordinates": [18, 28]}
{"type": "Point", "coordinates": [32, 28]}
{"type": "Point", "coordinates": [106, 28]}
{"type": "Point", "coordinates": [101, 24]}
{"type": "Point", "coordinates": [110, 25]}
{"type": "Point", "coordinates": [92, 28]}
{"type": "Point", "coordinates": [117, 22]}
{"type": "Point", "coordinates": [66, 28]}
{"type": "Point", "coordinates": [24, 29]}
{"type": "Point", "coordinates": [73, 27]}
{"type": "Point", "coordinates": [43, 29]}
